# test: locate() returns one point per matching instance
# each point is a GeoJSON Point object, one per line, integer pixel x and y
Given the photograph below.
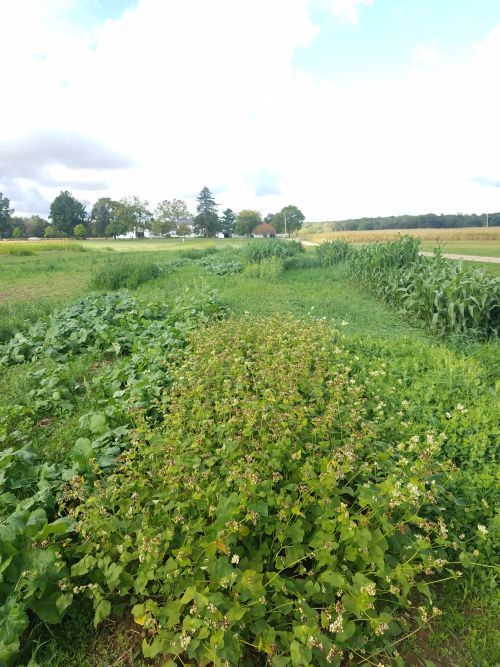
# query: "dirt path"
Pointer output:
{"type": "Point", "coordinates": [469, 258]}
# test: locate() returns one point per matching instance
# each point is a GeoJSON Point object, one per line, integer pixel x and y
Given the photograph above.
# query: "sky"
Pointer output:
{"type": "Point", "coordinates": [344, 108]}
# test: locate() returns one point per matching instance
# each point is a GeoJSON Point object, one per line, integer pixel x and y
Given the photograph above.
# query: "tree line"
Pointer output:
{"type": "Point", "coordinates": [427, 220]}
{"type": "Point", "coordinates": [68, 217]}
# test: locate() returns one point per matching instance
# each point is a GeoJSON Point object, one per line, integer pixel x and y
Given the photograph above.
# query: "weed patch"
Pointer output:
{"type": "Point", "coordinates": [126, 272]}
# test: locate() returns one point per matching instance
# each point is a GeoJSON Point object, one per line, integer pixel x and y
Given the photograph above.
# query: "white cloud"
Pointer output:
{"type": "Point", "coordinates": [426, 53]}
{"type": "Point", "coordinates": [192, 93]}
{"type": "Point", "coordinates": [347, 11]}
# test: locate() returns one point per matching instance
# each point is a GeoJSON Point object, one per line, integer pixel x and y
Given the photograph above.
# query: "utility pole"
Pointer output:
{"type": "Point", "coordinates": [284, 213]}
{"type": "Point", "coordinates": [486, 220]}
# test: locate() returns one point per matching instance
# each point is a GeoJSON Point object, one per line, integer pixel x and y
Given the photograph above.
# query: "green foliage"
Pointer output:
{"type": "Point", "coordinates": [124, 272]}
{"type": "Point", "coordinates": [428, 220]}
{"type": "Point", "coordinates": [169, 214]}
{"type": "Point", "coordinates": [35, 544]}
{"type": "Point", "coordinates": [284, 502]}
{"type": "Point", "coordinates": [17, 233]}
{"type": "Point", "coordinates": [218, 267]}
{"type": "Point", "coordinates": [259, 249]}
{"type": "Point", "coordinates": [5, 216]}
{"type": "Point", "coordinates": [227, 222]}
{"type": "Point", "coordinates": [130, 214]}
{"type": "Point", "coordinates": [300, 262]}
{"type": "Point", "coordinates": [66, 212]}
{"type": "Point", "coordinates": [100, 323]}
{"type": "Point", "coordinates": [102, 215]}
{"type": "Point", "coordinates": [448, 297]}
{"type": "Point", "coordinates": [16, 249]}
{"type": "Point", "coordinates": [289, 219]}
{"type": "Point", "coordinates": [334, 252]}
{"type": "Point", "coordinates": [246, 221]}
{"type": "Point", "coordinates": [206, 221]}
{"type": "Point", "coordinates": [198, 253]}
{"type": "Point", "coordinates": [80, 232]}
{"type": "Point", "coordinates": [268, 268]}
{"type": "Point", "coordinates": [116, 227]}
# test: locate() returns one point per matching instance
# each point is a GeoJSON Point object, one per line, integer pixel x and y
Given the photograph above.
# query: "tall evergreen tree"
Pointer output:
{"type": "Point", "coordinates": [227, 222]}
{"type": "Point", "coordinates": [66, 212]}
{"type": "Point", "coordinates": [206, 221]}
{"type": "Point", "coordinates": [5, 216]}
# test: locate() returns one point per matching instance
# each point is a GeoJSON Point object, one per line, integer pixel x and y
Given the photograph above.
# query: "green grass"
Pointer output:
{"type": "Point", "coordinates": [33, 286]}
{"type": "Point", "coordinates": [488, 267]}
{"type": "Point", "coordinates": [466, 635]}
{"type": "Point", "coordinates": [485, 248]}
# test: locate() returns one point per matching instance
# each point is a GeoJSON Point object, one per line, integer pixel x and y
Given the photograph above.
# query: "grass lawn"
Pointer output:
{"type": "Point", "coordinates": [33, 286]}
{"type": "Point", "coordinates": [486, 248]}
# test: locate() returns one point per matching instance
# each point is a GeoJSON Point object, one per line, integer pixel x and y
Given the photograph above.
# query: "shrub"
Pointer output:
{"type": "Point", "coordinates": [80, 232]}
{"type": "Point", "coordinates": [125, 272]}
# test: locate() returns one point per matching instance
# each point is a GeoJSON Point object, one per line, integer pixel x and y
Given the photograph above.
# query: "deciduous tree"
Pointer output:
{"type": "Point", "coordinates": [168, 215]}
{"type": "Point", "coordinates": [134, 214]}
{"type": "Point", "coordinates": [289, 219]}
{"type": "Point", "coordinates": [101, 215]}
{"type": "Point", "coordinates": [35, 226]}
{"type": "Point", "coordinates": [116, 227]}
{"type": "Point", "coordinates": [247, 221]}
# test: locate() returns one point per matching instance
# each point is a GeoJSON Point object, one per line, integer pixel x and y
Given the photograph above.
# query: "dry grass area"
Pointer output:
{"type": "Point", "coordinates": [23, 248]}
{"type": "Point", "coordinates": [430, 234]}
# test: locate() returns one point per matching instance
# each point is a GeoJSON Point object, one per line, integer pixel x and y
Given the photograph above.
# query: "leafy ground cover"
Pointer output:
{"type": "Point", "coordinates": [32, 542]}
{"type": "Point", "coordinates": [299, 516]}
{"type": "Point", "coordinates": [260, 383]}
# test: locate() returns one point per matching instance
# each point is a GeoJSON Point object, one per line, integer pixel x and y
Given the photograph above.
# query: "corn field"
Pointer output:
{"type": "Point", "coordinates": [441, 235]}
{"type": "Point", "coordinates": [448, 297]}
